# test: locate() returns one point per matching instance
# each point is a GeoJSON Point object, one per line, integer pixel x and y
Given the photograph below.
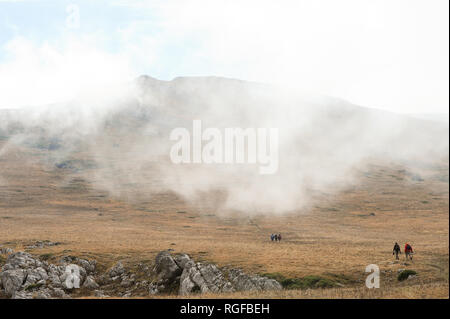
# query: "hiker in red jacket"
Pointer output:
{"type": "Point", "coordinates": [408, 251]}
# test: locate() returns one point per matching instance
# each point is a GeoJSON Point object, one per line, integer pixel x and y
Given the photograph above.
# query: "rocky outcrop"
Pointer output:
{"type": "Point", "coordinates": [244, 282]}
{"type": "Point", "coordinates": [118, 274]}
{"type": "Point", "coordinates": [167, 272]}
{"type": "Point", "coordinates": [166, 267]}
{"type": "Point", "coordinates": [24, 276]}
{"type": "Point", "coordinates": [88, 266]}
{"type": "Point", "coordinates": [116, 270]}
{"type": "Point", "coordinates": [202, 278]}
{"type": "Point", "coordinates": [12, 280]}
{"type": "Point", "coordinates": [21, 260]}
{"type": "Point", "coordinates": [90, 283]}
{"type": "Point", "coordinates": [42, 244]}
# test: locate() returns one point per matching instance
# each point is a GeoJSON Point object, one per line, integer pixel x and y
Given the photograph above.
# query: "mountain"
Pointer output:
{"type": "Point", "coordinates": [125, 134]}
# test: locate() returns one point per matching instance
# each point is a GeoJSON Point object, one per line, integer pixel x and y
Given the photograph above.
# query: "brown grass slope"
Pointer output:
{"type": "Point", "coordinates": [336, 238]}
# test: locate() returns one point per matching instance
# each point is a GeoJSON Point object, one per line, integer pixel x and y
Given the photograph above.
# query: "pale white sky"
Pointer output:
{"type": "Point", "coordinates": [391, 54]}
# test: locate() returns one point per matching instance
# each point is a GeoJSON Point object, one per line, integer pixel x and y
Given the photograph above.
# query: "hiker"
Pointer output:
{"type": "Point", "coordinates": [408, 251]}
{"type": "Point", "coordinates": [396, 250]}
{"type": "Point", "coordinates": [279, 237]}
{"type": "Point", "coordinates": [272, 237]}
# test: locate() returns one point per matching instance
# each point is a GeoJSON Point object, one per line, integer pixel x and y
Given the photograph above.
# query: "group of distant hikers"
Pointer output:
{"type": "Point", "coordinates": [275, 237]}
{"type": "Point", "coordinates": [408, 251]}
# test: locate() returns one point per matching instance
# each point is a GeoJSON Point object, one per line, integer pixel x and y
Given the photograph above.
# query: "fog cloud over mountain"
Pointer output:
{"type": "Point", "coordinates": [118, 139]}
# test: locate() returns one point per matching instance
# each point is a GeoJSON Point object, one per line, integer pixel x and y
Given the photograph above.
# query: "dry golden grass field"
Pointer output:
{"type": "Point", "coordinates": [336, 237]}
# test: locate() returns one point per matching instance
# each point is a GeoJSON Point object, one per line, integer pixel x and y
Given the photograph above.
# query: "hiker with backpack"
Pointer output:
{"type": "Point", "coordinates": [408, 251]}
{"type": "Point", "coordinates": [396, 250]}
{"type": "Point", "coordinates": [279, 237]}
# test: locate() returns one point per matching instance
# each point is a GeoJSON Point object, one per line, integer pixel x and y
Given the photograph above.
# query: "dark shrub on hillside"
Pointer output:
{"type": "Point", "coordinates": [405, 274]}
